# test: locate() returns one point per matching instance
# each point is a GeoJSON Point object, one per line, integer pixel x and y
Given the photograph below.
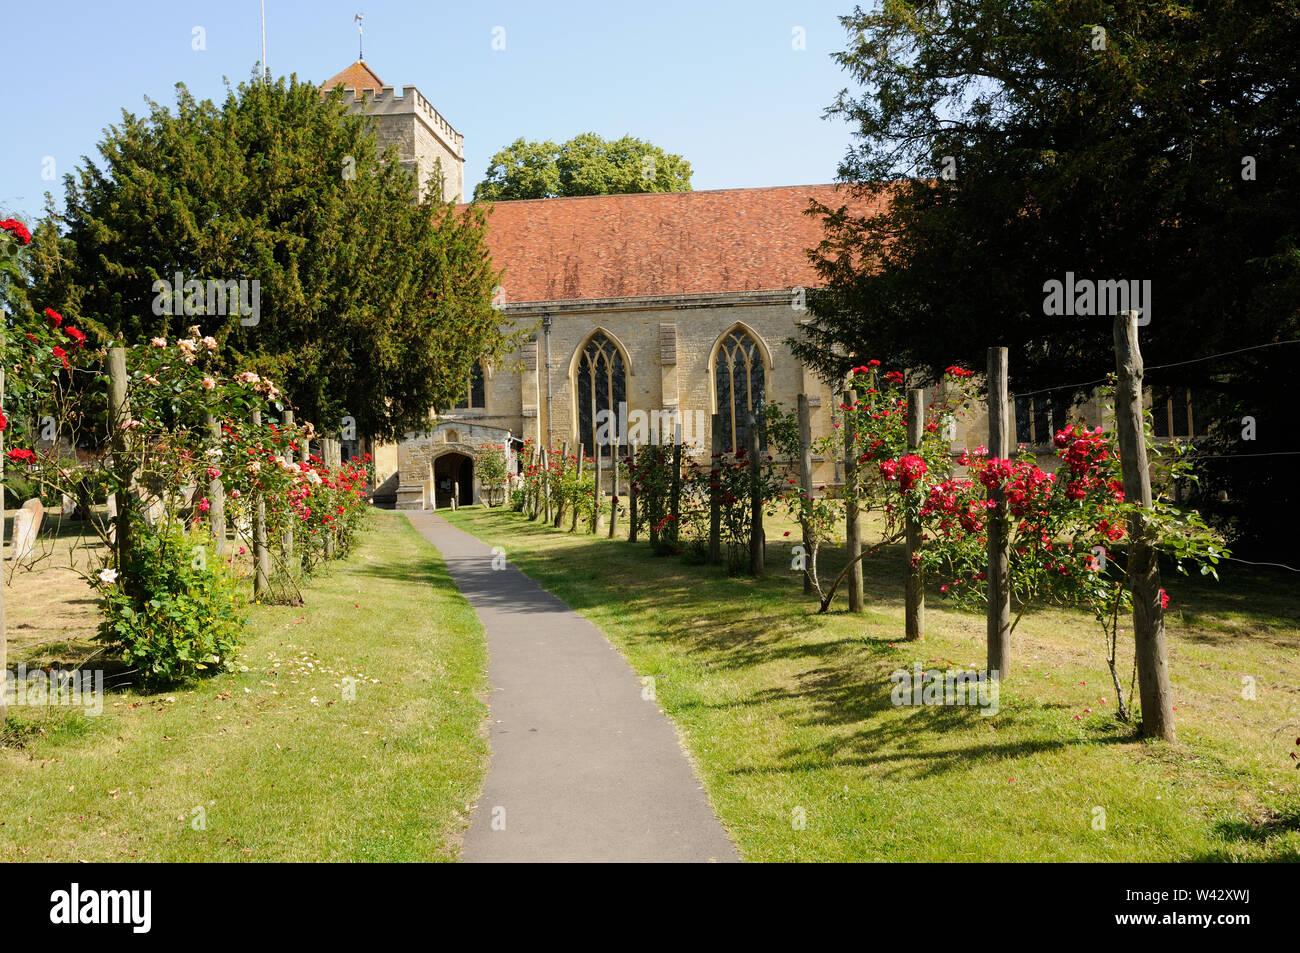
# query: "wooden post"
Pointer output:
{"type": "Point", "coordinates": [999, 549]}
{"type": "Point", "coordinates": [675, 500]}
{"type": "Point", "coordinates": [1143, 556]}
{"type": "Point", "coordinates": [4, 635]}
{"type": "Point", "coordinates": [852, 525]}
{"type": "Point", "coordinates": [286, 535]}
{"type": "Point", "coordinates": [806, 486]}
{"type": "Point", "coordinates": [119, 413]}
{"type": "Point", "coordinates": [545, 468]}
{"type": "Point", "coordinates": [715, 491]}
{"type": "Point", "coordinates": [595, 496]}
{"type": "Point", "coordinates": [755, 502]}
{"type": "Point", "coordinates": [631, 493]}
{"type": "Point", "coordinates": [261, 558]}
{"type": "Point", "coordinates": [653, 504]}
{"type": "Point", "coordinates": [613, 499]}
{"type": "Point", "coordinates": [582, 459]}
{"type": "Point", "coordinates": [330, 458]}
{"type": "Point", "coordinates": [914, 605]}
{"type": "Point", "coordinates": [217, 491]}
{"type": "Point", "coordinates": [564, 466]}
{"type": "Point", "coordinates": [530, 491]}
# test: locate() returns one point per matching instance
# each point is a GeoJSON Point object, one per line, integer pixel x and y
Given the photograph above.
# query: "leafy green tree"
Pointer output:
{"type": "Point", "coordinates": [584, 165]}
{"type": "Point", "coordinates": [370, 306]}
{"type": "Point", "coordinates": [1011, 142]}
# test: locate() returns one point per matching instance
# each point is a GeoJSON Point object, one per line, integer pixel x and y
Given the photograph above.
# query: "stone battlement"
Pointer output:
{"type": "Point", "coordinates": [386, 102]}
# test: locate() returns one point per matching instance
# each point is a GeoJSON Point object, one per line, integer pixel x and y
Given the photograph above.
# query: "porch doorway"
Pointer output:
{"type": "Point", "coordinates": [453, 480]}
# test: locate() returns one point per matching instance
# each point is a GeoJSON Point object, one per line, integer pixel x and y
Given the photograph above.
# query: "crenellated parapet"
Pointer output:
{"type": "Point", "coordinates": [386, 102]}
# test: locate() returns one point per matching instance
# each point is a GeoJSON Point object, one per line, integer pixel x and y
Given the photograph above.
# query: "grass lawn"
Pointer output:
{"type": "Point", "coordinates": [788, 714]}
{"type": "Point", "coordinates": [271, 763]}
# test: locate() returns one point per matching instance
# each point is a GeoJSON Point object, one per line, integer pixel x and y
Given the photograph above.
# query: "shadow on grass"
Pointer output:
{"type": "Point", "coordinates": [1264, 833]}
{"type": "Point", "coordinates": [738, 623]}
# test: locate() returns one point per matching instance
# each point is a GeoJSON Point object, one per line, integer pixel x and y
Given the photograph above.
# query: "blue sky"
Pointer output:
{"type": "Point", "coordinates": [717, 82]}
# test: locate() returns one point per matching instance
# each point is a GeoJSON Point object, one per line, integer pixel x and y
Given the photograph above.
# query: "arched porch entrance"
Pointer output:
{"type": "Point", "coordinates": [453, 479]}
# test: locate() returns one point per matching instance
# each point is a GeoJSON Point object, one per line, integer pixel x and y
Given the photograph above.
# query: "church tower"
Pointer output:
{"type": "Point", "coordinates": [408, 121]}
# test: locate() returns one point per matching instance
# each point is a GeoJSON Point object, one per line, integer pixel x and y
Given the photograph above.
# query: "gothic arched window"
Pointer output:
{"type": "Point", "coordinates": [602, 385]}
{"type": "Point", "coordinates": [740, 386]}
{"type": "Point", "coordinates": [475, 394]}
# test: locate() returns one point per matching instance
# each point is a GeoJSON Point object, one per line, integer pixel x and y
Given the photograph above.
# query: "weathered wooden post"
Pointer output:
{"type": "Point", "coordinates": [596, 495]}
{"type": "Point", "coordinates": [715, 490]}
{"type": "Point", "coordinates": [914, 604]}
{"type": "Point", "coordinates": [852, 524]}
{"type": "Point", "coordinates": [125, 502]}
{"type": "Point", "coordinates": [1143, 555]}
{"type": "Point", "coordinates": [675, 499]}
{"type": "Point", "coordinates": [216, 490]}
{"type": "Point", "coordinates": [654, 502]}
{"type": "Point", "coordinates": [261, 558]}
{"type": "Point", "coordinates": [564, 466]}
{"type": "Point", "coordinates": [613, 499]}
{"type": "Point", "coordinates": [755, 501]}
{"type": "Point", "coordinates": [330, 457]}
{"type": "Point", "coordinates": [999, 548]}
{"type": "Point", "coordinates": [4, 634]}
{"type": "Point", "coordinates": [631, 493]}
{"type": "Point", "coordinates": [286, 535]}
{"type": "Point", "coordinates": [532, 504]}
{"type": "Point", "coordinates": [582, 459]}
{"type": "Point", "coordinates": [806, 487]}
{"type": "Point", "coordinates": [545, 467]}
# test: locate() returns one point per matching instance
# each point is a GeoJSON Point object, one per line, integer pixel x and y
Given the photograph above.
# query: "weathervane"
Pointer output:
{"type": "Point", "coordinates": [361, 55]}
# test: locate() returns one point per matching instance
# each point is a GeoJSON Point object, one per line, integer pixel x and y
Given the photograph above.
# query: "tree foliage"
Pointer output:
{"type": "Point", "coordinates": [370, 306]}
{"type": "Point", "coordinates": [584, 165]}
{"type": "Point", "coordinates": [1017, 141]}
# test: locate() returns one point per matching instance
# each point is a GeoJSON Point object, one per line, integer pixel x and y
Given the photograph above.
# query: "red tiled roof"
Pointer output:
{"type": "Point", "coordinates": [358, 76]}
{"type": "Point", "coordinates": [620, 246]}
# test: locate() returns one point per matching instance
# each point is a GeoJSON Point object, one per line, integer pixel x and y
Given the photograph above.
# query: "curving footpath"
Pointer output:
{"type": "Point", "coordinates": [583, 769]}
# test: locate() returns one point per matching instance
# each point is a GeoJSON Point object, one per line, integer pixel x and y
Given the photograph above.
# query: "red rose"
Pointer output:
{"type": "Point", "coordinates": [4, 421]}
{"type": "Point", "coordinates": [19, 455]}
{"type": "Point", "coordinates": [62, 355]}
{"type": "Point", "coordinates": [911, 468]}
{"type": "Point", "coordinates": [18, 229]}
{"type": "Point", "coordinates": [55, 318]}
{"type": "Point", "coordinates": [76, 335]}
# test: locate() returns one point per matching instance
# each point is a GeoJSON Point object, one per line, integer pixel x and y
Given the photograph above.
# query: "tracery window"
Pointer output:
{"type": "Point", "coordinates": [602, 385]}
{"type": "Point", "coordinates": [740, 386]}
{"type": "Point", "coordinates": [474, 396]}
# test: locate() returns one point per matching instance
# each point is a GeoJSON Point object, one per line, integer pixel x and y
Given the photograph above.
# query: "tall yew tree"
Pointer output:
{"type": "Point", "coordinates": [1019, 140]}
{"type": "Point", "coordinates": [371, 306]}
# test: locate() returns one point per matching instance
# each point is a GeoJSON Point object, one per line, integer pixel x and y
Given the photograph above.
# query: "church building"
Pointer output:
{"type": "Point", "coordinates": [645, 311]}
{"type": "Point", "coordinates": [648, 310]}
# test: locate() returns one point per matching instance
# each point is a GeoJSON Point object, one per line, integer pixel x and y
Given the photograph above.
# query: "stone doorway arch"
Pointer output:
{"type": "Point", "coordinates": [453, 479]}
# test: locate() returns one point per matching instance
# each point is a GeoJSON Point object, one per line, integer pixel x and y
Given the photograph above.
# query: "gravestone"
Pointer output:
{"type": "Point", "coordinates": [27, 523]}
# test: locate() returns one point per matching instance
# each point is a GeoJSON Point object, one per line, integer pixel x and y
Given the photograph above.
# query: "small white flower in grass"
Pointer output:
{"type": "Point", "coordinates": [210, 343]}
{"type": "Point", "coordinates": [209, 383]}
{"type": "Point", "coordinates": [159, 342]}
{"type": "Point", "coordinates": [108, 576]}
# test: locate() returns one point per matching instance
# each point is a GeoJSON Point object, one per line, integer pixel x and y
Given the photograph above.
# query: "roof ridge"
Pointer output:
{"type": "Point", "coordinates": [628, 195]}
